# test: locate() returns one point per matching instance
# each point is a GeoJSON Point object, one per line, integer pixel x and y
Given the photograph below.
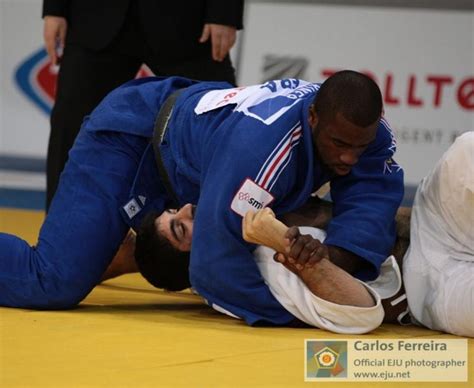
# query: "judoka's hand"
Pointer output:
{"type": "Point", "coordinates": [302, 250]}
{"type": "Point", "coordinates": [263, 228]}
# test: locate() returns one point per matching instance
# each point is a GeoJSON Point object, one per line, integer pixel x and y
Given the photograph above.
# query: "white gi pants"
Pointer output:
{"type": "Point", "coordinates": [438, 268]}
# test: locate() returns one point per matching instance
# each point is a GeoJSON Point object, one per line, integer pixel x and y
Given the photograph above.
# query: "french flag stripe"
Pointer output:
{"type": "Point", "coordinates": [279, 159]}
{"type": "Point", "coordinates": [282, 166]}
{"type": "Point", "coordinates": [275, 151]}
{"type": "Point", "coordinates": [275, 179]}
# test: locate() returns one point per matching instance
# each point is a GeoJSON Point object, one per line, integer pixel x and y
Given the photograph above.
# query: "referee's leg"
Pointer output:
{"type": "Point", "coordinates": [85, 78]}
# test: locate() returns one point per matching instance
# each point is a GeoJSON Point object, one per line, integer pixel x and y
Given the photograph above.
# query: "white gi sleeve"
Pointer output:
{"type": "Point", "coordinates": [293, 294]}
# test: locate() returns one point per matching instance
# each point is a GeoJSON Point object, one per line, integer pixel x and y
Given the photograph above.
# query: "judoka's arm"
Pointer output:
{"type": "Point", "coordinates": [365, 204]}
{"type": "Point", "coordinates": [318, 213]}
{"type": "Point", "coordinates": [322, 277]}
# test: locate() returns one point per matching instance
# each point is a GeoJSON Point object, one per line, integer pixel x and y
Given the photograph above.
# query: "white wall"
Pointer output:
{"type": "Point", "coordinates": [399, 46]}
{"type": "Point", "coordinates": [24, 127]}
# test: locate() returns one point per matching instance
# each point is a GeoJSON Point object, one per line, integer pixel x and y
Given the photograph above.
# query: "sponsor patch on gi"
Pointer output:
{"type": "Point", "coordinates": [250, 196]}
{"type": "Point", "coordinates": [132, 208]}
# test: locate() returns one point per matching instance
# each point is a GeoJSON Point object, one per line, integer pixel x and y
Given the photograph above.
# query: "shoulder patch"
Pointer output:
{"type": "Point", "coordinates": [132, 208]}
{"type": "Point", "coordinates": [250, 196]}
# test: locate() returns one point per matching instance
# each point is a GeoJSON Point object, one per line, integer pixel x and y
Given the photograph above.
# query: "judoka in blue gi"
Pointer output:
{"type": "Point", "coordinates": [227, 150]}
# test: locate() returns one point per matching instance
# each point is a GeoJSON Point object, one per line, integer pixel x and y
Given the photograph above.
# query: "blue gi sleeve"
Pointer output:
{"type": "Point", "coordinates": [365, 204]}
{"type": "Point", "coordinates": [222, 267]}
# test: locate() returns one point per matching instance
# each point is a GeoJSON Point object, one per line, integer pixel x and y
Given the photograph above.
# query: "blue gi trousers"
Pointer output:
{"type": "Point", "coordinates": [82, 230]}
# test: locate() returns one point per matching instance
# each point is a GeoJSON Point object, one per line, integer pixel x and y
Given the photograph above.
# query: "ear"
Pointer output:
{"type": "Point", "coordinates": [313, 118]}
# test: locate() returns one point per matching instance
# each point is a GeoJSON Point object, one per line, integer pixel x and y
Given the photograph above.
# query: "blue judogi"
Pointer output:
{"type": "Point", "coordinates": [85, 225]}
{"type": "Point", "coordinates": [228, 150]}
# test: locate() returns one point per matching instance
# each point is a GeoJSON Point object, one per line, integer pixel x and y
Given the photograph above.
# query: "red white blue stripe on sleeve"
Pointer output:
{"type": "Point", "coordinates": [279, 158]}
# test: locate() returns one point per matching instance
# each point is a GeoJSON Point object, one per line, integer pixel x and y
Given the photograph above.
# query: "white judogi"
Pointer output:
{"type": "Point", "coordinates": [294, 296]}
{"type": "Point", "coordinates": [438, 268]}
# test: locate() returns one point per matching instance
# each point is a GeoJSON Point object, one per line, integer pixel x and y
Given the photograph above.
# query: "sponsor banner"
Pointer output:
{"type": "Point", "coordinates": [421, 59]}
{"type": "Point", "coordinates": [386, 360]}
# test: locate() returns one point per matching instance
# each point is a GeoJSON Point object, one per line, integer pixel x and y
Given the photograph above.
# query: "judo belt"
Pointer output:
{"type": "Point", "coordinates": [161, 126]}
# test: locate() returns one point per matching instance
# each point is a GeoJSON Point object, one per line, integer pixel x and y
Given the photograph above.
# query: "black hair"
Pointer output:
{"type": "Point", "coordinates": [161, 264]}
{"type": "Point", "coordinates": [355, 95]}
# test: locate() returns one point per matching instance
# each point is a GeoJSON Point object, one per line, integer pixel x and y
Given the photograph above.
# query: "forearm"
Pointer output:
{"type": "Point", "coordinates": [346, 260]}
{"type": "Point", "coordinates": [318, 213]}
{"type": "Point", "coordinates": [324, 279]}
{"type": "Point", "coordinates": [315, 212]}
{"type": "Point", "coordinates": [329, 282]}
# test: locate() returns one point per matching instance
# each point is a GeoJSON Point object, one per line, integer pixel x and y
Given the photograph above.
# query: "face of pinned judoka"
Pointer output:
{"type": "Point", "coordinates": [177, 226]}
{"type": "Point", "coordinates": [338, 142]}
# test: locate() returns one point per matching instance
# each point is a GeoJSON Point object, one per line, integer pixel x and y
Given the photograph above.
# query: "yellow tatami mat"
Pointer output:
{"type": "Point", "coordinates": [127, 334]}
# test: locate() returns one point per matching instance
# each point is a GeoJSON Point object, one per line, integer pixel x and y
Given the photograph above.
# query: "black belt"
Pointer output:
{"type": "Point", "coordinates": [161, 125]}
